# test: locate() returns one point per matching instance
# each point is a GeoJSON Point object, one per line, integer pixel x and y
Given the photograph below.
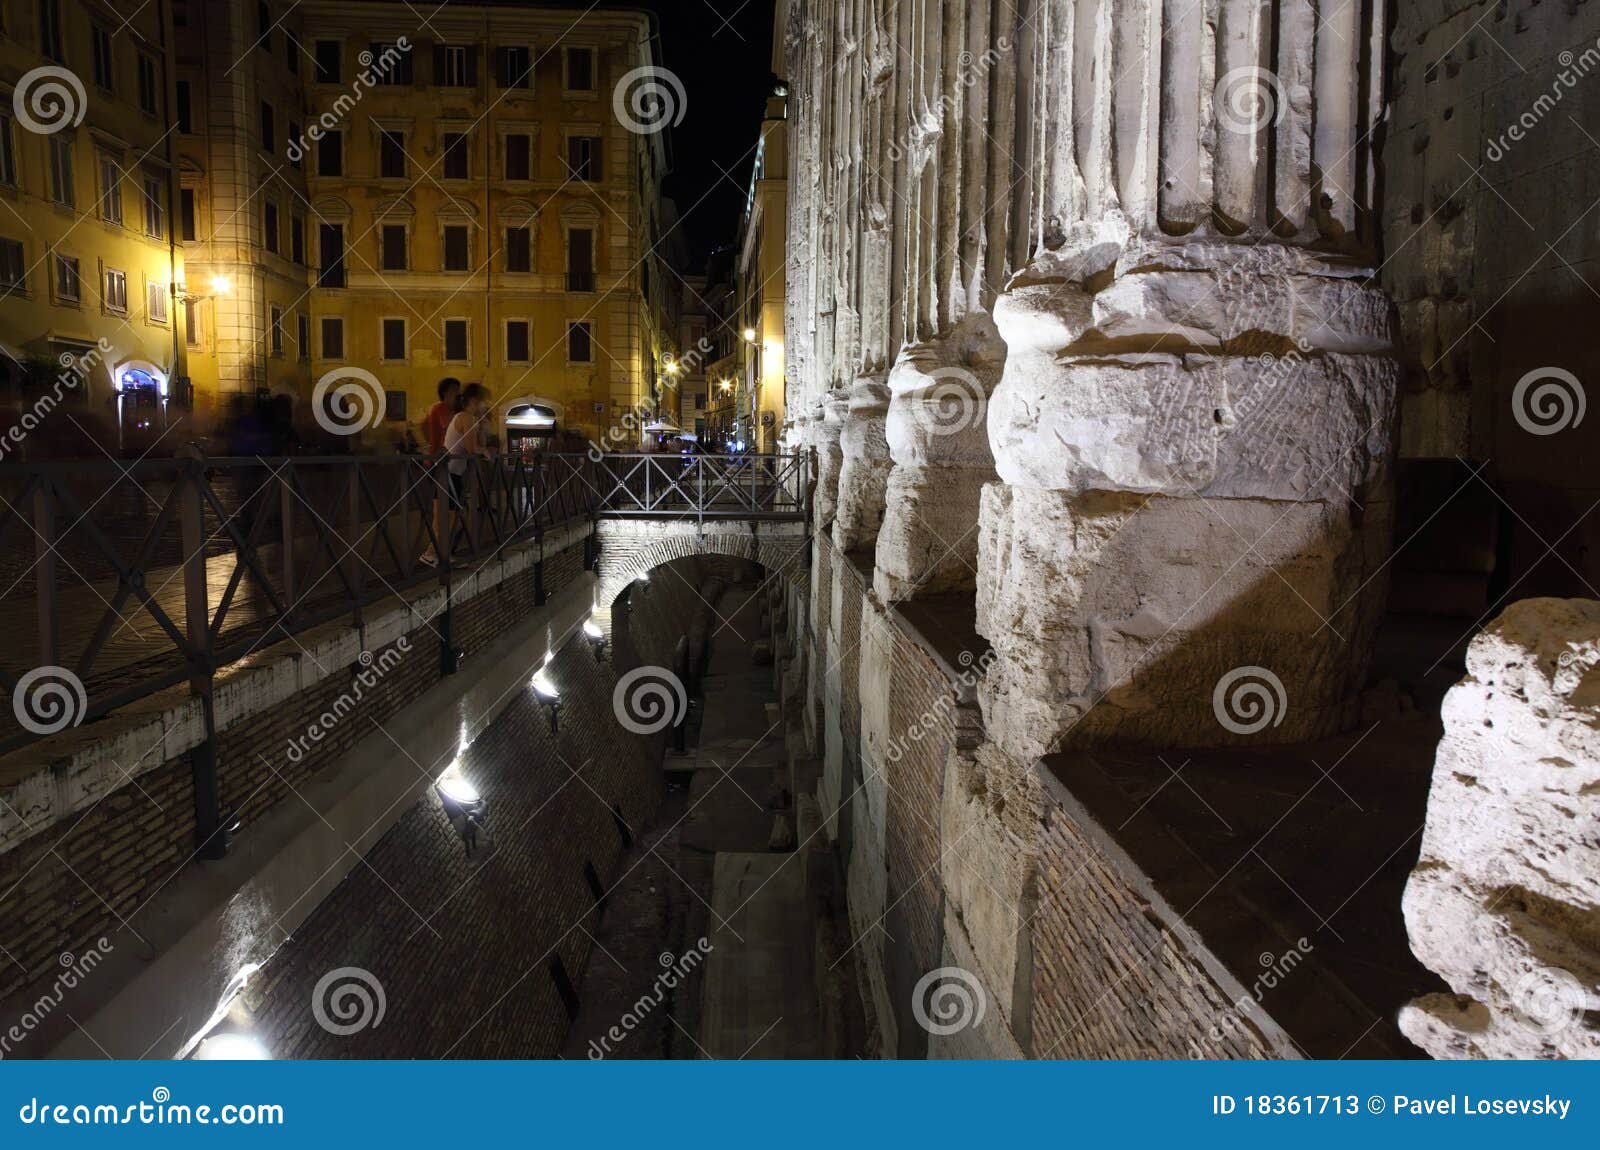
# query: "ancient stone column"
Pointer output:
{"type": "Point", "coordinates": [1503, 899]}
{"type": "Point", "coordinates": [864, 468]}
{"type": "Point", "coordinates": [1193, 428]}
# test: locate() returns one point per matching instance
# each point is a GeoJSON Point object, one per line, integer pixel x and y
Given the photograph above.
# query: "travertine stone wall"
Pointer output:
{"type": "Point", "coordinates": [1505, 899]}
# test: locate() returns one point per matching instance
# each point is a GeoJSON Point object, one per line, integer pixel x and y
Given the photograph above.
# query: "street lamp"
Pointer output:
{"type": "Point", "coordinates": [463, 805]}
{"type": "Point", "coordinates": [548, 696]}
{"type": "Point", "coordinates": [749, 335]}
{"type": "Point", "coordinates": [220, 285]}
{"type": "Point", "coordinates": [596, 637]}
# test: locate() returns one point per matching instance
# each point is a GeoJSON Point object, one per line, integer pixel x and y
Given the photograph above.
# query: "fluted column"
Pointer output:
{"type": "Point", "coordinates": [1193, 428]}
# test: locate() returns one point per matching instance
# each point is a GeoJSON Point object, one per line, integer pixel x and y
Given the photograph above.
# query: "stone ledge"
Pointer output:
{"type": "Point", "coordinates": [49, 781]}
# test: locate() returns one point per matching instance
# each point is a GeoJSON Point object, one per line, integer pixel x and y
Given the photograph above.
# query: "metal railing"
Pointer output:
{"type": "Point", "coordinates": [139, 577]}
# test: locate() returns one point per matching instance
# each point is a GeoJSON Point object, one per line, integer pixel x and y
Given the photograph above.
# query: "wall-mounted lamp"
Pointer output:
{"type": "Point", "coordinates": [749, 335]}
{"type": "Point", "coordinates": [596, 637]}
{"type": "Point", "coordinates": [231, 1047]}
{"type": "Point", "coordinates": [548, 696]}
{"type": "Point", "coordinates": [220, 285]}
{"type": "Point", "coordinates": [464, 806]}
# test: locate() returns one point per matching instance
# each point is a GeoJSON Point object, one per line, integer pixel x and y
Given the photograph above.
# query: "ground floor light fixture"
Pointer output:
{"type": "Point", "coordinates": [547, 694]}
{"type": "Point", "coordinates": [463, 806]}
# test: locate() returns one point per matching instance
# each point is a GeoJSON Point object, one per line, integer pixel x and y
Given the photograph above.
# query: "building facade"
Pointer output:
{"type": "Point", "coordinates": [345, 189]}
{"type": "Point", "coordinates": [763, 240]}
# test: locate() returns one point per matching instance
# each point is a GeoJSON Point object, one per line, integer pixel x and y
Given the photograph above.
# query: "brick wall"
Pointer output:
{"type": "Point", "coordinates": [1108, 980]}
{"type": "Point", "coordinates": [68, 885]}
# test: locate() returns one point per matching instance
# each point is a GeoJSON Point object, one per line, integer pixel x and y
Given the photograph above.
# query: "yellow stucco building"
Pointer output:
{"type": "Point", "coordinates": [348, 187]}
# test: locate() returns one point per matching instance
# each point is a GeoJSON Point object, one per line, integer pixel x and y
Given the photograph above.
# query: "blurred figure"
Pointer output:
{"type": "Point", "coordinates": [436, 423]}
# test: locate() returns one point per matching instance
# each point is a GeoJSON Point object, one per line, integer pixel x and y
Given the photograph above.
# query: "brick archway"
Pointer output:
{"type": "Point", "coordinates": [630, 548]}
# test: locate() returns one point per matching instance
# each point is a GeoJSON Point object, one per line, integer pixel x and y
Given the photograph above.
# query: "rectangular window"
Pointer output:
{"type": "Point", "coordinates": [330, 154]}
{"type": "Point", "coordinates": [8, 154]}
{"type": "Point", "coordinates": [269, 226]}
{"type": "Point", "coordinates": [580, 260]}
{"type": "Point", "coordinates": [101, 59]}
{"type": "Point", "coordinates": [264, 26]}
{"type": "Point", "coordinates": [50, 39]}
{"type": "Point", "coordinates": [275, 325]}
{"type": "Point", "coordinates": [394, 406]}
{"type": "Point", "coordinates": [185, 108]}
{"type": "Point", "coordinates": [297, 239]}
{"type": "Point", "coordinates": [394, 339]}
{"type": "Point", "coordinates": [457, 249]}
{"type": "Point", "coordinates": [302, 331]}
{"type": "Point", "coordinates": [519, 250]}
{"type": "Point", "coordinates": [455, 341]}
{"type": "Point", "coordinates": [519, 156]}
{"type": "Point", "coordinates": [292, 51]}
{"type": "Point", "coordinates": [269, 135]}
{"type": "Point", "coordinates": [297, 149]}
{"type": "Point", "coordinates": [583, 157]}
{"type": "Point", "coordinates": [13, 269]}
{"type": "Point", "coordinates": [110, 190]}
{"type": "Point", "coordinates": [514, 66]}
{"type": "Point", "coordinates": [391, 65]}
{"type": "Point", "coordinates": [68, 285]}
{"type": "Point", "coordinates": [187, 219]}
{"type": "Point", "coordinates": [149, 85]}
{"type": "Point", "coordinates": [328, 61]}
{"type": "Point", "coordinates": [331, 243]}
{"type": "Point", "coordinates": [332, 337]}
{"type": "Point", "coordinates": [580, 69]}
{"type": "Point", "coordinates": [115, 293]}
{"type": "Point", "coordinates": [455, 156]}
{"type": "Point", "coordinates": [455, 65]}
{"type": "Point", "coordinates": [156, 302]}
{"type": "Point", "coordinates": [393, 244]}
{"type": "Point", "coordinates": [191, 322]}
{"type": "Point", "coordinates": [63, 188]}
{"type": "Point", "coordinates": [155, 208]}
{"type": "Point", "coordinates": [519, 343]}
{"type": "Point", "coordinates": [391, 154]}
{"type": "Point", "coordinates": [579, 344]}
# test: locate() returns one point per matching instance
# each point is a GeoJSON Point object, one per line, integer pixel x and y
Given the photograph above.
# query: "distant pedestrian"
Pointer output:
{"type": "Point", "coordinates": [436, 423]}
{"type": "Point", "coordinates": [465, 440]}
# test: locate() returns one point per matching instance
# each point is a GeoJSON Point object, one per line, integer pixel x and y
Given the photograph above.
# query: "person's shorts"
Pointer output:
{"type": "Point", "coordinates": [458, 491]}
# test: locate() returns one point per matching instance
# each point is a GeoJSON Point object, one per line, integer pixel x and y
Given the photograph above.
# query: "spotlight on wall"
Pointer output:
{"type": "Point", "coordinates": [464, 807]}
{"type": "Point", "coordinates": [749, 335]}
{"type": "Point", "coordinates": [548, 696]}
{"type": "Point", "coordinates": [231, 1047]}
{"type": "Point", "coordinates": [596, 637]}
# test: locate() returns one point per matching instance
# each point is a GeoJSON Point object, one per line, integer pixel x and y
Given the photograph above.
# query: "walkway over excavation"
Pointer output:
{"type": "Point", "coordinates": [135, 578]}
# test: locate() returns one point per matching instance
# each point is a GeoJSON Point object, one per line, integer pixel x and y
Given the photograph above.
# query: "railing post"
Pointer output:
{"type": "Point", "coordinates": [352, 559]}
{"type": "Point", "coordinates": [210, 835]}
{"type": "Point", "coordinates": [286, 500]}
{"type": "Point", "coordinates": [44, 547]}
